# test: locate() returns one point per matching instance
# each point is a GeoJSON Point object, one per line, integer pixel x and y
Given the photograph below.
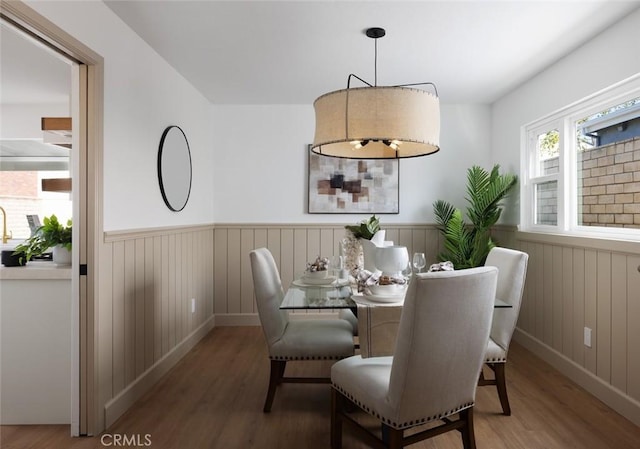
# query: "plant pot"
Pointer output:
{"type": "Point", "coordinates": [61, 255]}
{"type": "Point", "coordinates": [369, 249]}
{"type": "Point", "coordinates": [11, 260]}
{"type": "Point", "coordinates": [378, 237]}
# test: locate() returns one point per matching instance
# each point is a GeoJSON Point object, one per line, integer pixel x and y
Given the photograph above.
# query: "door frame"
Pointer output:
{"type": "Point", "coordinates": [88, 192]}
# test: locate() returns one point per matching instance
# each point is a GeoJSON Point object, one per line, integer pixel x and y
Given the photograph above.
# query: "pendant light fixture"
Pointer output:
{"type": "Point", "coordinates": [377, 122]}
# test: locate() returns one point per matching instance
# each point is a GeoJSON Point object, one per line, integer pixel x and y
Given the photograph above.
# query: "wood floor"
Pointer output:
{"type": "Point", "coordinates": [213, 399]}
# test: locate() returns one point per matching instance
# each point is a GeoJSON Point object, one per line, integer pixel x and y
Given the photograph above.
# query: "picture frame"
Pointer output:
{"type": "Point", "coordinates": [352, 186]}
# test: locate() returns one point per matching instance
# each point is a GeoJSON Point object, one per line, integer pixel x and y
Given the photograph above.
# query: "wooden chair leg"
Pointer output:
{"type": "Point", "coordinates": [337, 407]}
{"type": "Point", "coordinates": [282, 365]}
{"type": "Point", "coordinates": [501, 385]}
{"type": "Point", "coordinates": [392, 438]}
{"type": "Point", "coordinates": [275, 378]}
{"type": "Point", "coordinates": [468, 434]}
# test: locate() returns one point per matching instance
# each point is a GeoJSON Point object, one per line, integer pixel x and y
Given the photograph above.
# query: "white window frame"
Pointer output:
{"type": "Point", "coordinates": [533, 178]}
{"type": "Point", "coordinates": [564, 121]}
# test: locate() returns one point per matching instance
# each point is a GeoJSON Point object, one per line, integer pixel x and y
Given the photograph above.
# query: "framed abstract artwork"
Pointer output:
{"type": "Point", "coordinates": [353, 186]}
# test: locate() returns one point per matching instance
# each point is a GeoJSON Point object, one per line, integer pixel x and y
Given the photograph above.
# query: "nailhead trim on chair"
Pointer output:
{"type": "Point", "coordinates": [405, 425]}
{"type": "Point", "coordinates": [496, 360]}
{"type": "Point", "coordinates": [323, 357]}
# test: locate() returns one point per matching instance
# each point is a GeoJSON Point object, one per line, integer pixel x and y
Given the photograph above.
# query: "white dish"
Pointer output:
{"type": "Point", "coordinates": [377, 300]}
{"type": "Point", "coordinates": [306, 282]}
{"type": "Point", "coordinates": [316, 274]}
{"type": "Point", "coordinates": [387, 290]}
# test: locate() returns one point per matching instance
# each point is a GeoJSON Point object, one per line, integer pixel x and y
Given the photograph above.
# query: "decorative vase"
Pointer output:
{"type": "Point", "coordinates": [351, 250]}
{"type": "Point", "coordinates": [391, 260]}
{"type": "Point", "coordinates": [61, 255]}
{"type": "Point", "coordinates": [369, 248]}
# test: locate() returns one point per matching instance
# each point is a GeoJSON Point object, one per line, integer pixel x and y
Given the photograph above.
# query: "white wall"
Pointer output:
{"type": "Point", "coordinates": [260, 167]}
{"type": "Point", "coordinates": [22, 121]}
{"type": "Point", "coordinates": [607, 59]}
{"type": "Point", "coordinates": [254, 158]}
{"type": "Point", "coordinates": [142, 96]}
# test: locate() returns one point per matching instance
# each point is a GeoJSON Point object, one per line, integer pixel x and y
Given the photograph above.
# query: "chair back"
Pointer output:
{"type": "Point", "coordinates": [512, 272]}
{"type": "Point", "coordinates": [269, 294]}
{"type": "Point", "coordinates": [442, 337]}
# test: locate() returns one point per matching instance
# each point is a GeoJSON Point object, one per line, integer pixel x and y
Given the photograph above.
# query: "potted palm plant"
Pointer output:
{"type": "Point", "coordinates": [465, 245]}
{"type": "Point", "coordinates": [52, 234]}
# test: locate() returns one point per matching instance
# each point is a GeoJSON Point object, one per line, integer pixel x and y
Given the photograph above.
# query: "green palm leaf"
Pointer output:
{"type": "Point", "coordinates": [443, 212]}
{"type": "Point", "coordinates": [458, 241]}
{"type": "Point", "coordinates": [467, 246]}
{"type": "Point", "coordinates": [478, 180]}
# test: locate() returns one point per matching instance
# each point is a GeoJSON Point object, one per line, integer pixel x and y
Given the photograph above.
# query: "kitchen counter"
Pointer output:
{"type": "Point", "coordinates": [36, 270]}
{"type": "Point", "coordinates": [35, 344]}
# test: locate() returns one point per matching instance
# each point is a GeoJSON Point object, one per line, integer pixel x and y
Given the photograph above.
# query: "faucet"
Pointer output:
{"type": "Point", "coordinates": [5, 237]}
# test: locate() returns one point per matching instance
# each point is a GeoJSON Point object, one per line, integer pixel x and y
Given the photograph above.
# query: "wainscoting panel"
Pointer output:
{"type": "Point", "coordinates": [154, 275]}
{"type": "Point", "coordinates": [292, 247]}
{"type": "Point", "coordinates": [633, 327]}
{"type": "Point", "coordinates": [573, 283]}
{"type": "Point", "coordinates": [146, 323]}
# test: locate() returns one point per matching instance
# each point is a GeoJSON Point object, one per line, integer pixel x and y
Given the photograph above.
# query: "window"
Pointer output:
{"type": "Point", "coordinates": [581, 171]}
{"type": "Point", "coordinates": [21, 195]}
{"type": "Point", "coordinates": [545, 173]}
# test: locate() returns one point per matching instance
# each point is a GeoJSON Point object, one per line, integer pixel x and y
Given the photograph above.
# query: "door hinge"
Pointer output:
{"type": "Point", "coordinates": [83, 269]}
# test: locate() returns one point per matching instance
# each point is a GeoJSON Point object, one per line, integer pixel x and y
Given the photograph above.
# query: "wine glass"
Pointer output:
{"type": "Point", "coordinates": [406, 273]}
{"type": "Point", "coordinates": [419, 261]}
{"type": "Point", "coordinates": [336, 264]}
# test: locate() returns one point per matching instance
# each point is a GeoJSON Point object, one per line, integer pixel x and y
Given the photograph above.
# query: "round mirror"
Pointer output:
{"type": "Point", "coordinates": [174, 168]}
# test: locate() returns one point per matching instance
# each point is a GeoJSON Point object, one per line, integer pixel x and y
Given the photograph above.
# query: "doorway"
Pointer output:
{"type": "Point", "coordinates": [39, 86]}
{"type": "Point", "coordinates": [86, 113]}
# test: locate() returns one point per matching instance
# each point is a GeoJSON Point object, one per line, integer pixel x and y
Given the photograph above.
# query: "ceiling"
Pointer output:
{"type": "Point", "coordinates": [290, 52]}
{"type": "Point", "coordinates": [264, 52]}
{"type": "Point", "coordinates": [30, 72]}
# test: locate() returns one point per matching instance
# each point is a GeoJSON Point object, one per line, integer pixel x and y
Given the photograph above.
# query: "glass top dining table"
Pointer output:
{"type": "Point", "coordinates": [331, 296]}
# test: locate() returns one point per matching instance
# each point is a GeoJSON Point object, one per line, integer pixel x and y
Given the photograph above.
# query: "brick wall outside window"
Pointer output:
{"type": "Point", "coordinates": [609, 185]}
{"type": "Point", "coordinates": [19, 196]}
{"type": "Point", "coordinates": [19, 183]}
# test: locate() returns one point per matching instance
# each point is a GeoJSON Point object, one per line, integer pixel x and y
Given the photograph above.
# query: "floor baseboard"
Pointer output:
{"type": "Point", "coordinates": [127, 397]}
{"type": "Point", "coordinates": [613, 397]}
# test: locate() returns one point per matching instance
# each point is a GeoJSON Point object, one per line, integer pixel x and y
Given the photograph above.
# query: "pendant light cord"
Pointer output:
{"type": "Point", "coordinates": [375, 63]}
{"type": "Point", "coordinates": [375, 34]}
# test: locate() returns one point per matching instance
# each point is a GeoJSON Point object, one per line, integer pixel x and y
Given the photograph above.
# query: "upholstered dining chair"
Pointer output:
{"type": "Point", "coordinates": [433, 374]}
{"type": "Point", "coordinates": [512, 272]}
{"type": "Point", "coordinates": [287, 340]}
{"type": "Point", "coordinates": [351, 318]}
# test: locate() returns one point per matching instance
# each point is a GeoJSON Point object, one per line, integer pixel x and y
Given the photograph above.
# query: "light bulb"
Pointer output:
{"type": "Point", "coordinates": [357, 144]}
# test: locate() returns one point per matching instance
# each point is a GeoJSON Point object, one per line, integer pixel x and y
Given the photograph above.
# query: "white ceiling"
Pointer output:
{"type": "Point", "coordinates": [29, 72]}
{"type": "Point", "coordinates": [266, 52]}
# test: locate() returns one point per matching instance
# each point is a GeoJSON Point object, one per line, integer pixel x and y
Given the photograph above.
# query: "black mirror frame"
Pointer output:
{"type": "Point", "coordinates": [160, 180]}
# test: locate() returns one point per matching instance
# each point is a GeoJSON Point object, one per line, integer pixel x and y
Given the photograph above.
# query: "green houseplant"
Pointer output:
{"type": "Point", "coordinates": [51, 234]}
{"type": "Point", "coordinates": [365, 229]}
{"type": "Point", "coordinates": [467, 246]}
